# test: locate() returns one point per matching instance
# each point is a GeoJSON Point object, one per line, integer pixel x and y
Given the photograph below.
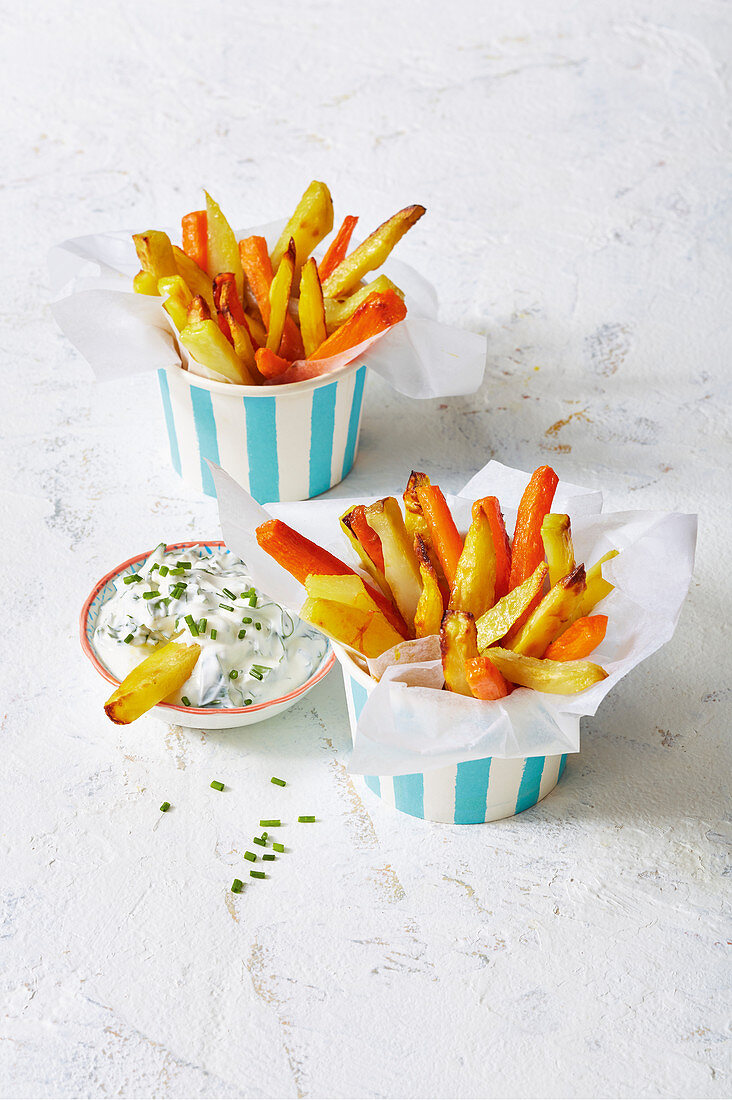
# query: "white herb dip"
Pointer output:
{"type": "Point", "coordinates": [252, 650]}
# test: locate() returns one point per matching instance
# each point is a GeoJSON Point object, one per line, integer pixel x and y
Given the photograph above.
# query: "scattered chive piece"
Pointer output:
{"type": "Point", "coordinates": [214, 633]}
{"type": "Point", "coordinates": [246, 620]}
{"type": "Point", "coordinates": [242, 633]}
{"type": "Point", "coordinates": [253, 600]}
{"type": "Point", "coordinates": [257, 874]}
{"type": "Point", "coordinates": [231, 595]}
{"type": "Point", "coordinates": [192, 626]}
{"type": "Point", "coordinates": [258, 840]}
{"type": "Point", "coordinates": [226, 606]}
{"type": "Point", "coordinates": [278, 847]}
{"type": "Point", "coordinates": [250, 856]}
{"type": "Point", "coordinates": [164, 570]}
{"type": "Point", "coordinates": [248, 702]}
{"type": "Point", "coordinates": [306, 817]}
{"type": "Point", "coordinates": [275, 823]}
{"type": "Point", "coordinates": [278, 782]}
{"type": "Point", "coordinates": [132, 578]}
{"type": "Point", "coordinates": [269, 856]}
{"type": "Point", "coordinates": [185, 700]}
{"type": "Point", "coordinates": [202, 624]}
{"type": "Point", "coordinates": [237, 886]}
{"type": "Point", "coordinates": [129, 638]}
{"type": "Point", "coordinates": [257, 626]}
{"type": "Point", "coordinates": [233, 674]}
{"type": "Point", "coordinates": [165, 807]}
{"type": "Point", "coordinates": [220, 786]}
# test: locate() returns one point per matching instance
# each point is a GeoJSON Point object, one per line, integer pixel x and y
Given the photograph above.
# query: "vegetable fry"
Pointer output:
{"type": "Point", "coordinates": [443, 532]}
{"type": "Point", "coordinates": [155, 253]}
{"type": "Point", "coordinates": [198, 310]}
{"type": "Point", "coordinates": [279, 298]}
{"type": "Point", "coordinates": [496, 623]}
{"type": "Point", "coordinates": [554, 677]}
{"type": "Point", "coordinates": [556, 535]}
{"type": "Point", "coordinates": [473, 589]}
{"type": "Point", "coordinates": [366, 545]}
{"type": "Point", "coordinates": [528, 549]}
{"type": "Point", "coordinates": [457, 644]}
{"type": "Point", "coordinates": [378, 313]}
{"type": "Point", "coordinates": [371, 253]}
{"type": "Point", "coordinates": [223, 251]}
{"type": "Point", "coordinates": [492, 508]}
{"type": "Point", "coordinates": [400, 565]}
{"type": "Point", "coordinates": [145, 283]}
{"type": "Point", "coordinates": [338, 247]}
{"type": "Point", "coordinates": [158, 676]}
{"type": "Point", "coordinates": [597, 587]}
{"type": "Point", "coordinates": [340, 310]}
{"type": "Point", "coordinates": [484, 679]}
{"type": "Point", "coordinates": [194, 235]}
{"type": "Point", "coordinates": [310, 308]}
{"type": "Point", "coordinates": [366, 631]}
{"type": "Point", "coordinates": [551, 616]}
{"type": "Point", "coordinates": [208, 345]}
{"type": "Point", "coordinates": [236, 322]}
{"type": "Point", "coordinates": [258, 270]}
{"type": "Point", "coordinates": [177, 298]}
{"type": "Point", "coordinates": [416, 524]}
{"type": "Point", "coordinates": [578, 640]}
{"type": "Point", "coordinates": [311, 220]}
{"type": "Point", "coordinates": [269, 364]}
{"type": "Point", "coordinates": [195, 279]}
{"type": "Point", "coordinates": [430, 609]}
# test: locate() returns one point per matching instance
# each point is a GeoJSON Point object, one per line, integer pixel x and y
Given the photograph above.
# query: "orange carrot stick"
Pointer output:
{"type": "Point", "coordinates": [484, 679]}
{"type": "Point", "coordinates": [492, 508]}
{"type": "Point", "coordinates": [366, 535]}
{"type": "Point", "coordinates": [443, 532]}
{"type": "Point", "coordinates": [258, 270]}
{"type": "Point", "coordinates": [528, 547]}
{"type": "Point", "coordinates": [301, 557]}
{"type": "Point", "coordinates": [270, 364]}
{"type": "Point", "coordinates": [377, 313]}
{"type": "Point", "coordinates": [338, 248]}
{"type": "Point", "coordinates": [578, 640]}
{"type": "Point", "coordinates": [194, 229]}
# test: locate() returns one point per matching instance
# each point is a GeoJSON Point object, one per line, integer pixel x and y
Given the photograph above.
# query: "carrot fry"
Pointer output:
{"type": "Point", "coordinates": [579, 639]}
{"type": "Point", "coordinates": [337, 248]}
{"type": "Point", "coordinates": [258, 270]}
{"type": "Point", "coordinates": [528, 547]}
{"type": "Point", "coordinates": [269, 363]}
{"type": "Point", "coordinates": [492, 508]}
{"type": "Point", "coordinates": [366, 535]}
{"type": "Point", "coordinates": [443, 532]}
{"type": "Point", "coordinates": [484, 679]}
{"type": "Point", "coordinates": [378, 312]}
{"type": "Point", "coordinates": [194, 228]}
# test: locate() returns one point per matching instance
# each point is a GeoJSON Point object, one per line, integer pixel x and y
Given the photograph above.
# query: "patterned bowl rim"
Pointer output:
{"type": "Point", "coordinates": [90, 652]}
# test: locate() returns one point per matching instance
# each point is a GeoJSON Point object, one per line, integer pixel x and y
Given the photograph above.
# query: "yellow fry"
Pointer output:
{"type": "Point", "coordinates": [311, 220]}
{"type": "Point", "coordinates": [371, 253]}
{"type": "Point", "coordinates": [430, 609]}
{"type": "Point", "coordinates": [369, 632]}
{"type": "Point", "coordinates": [279, 298]}
{"type": "Point", "coordinates": [556, 534]}
{"type": "Point", "coordinates": [597, 588]}
{"type": "Point", "coordinates": [155, 253]}
{"type": "Point", "coordinates": [223, 250]}
{"type": "Point", "coordinates": [340, 310]}
{"type": "Point", "coordinates": [208, 346]}
{"type": "Point", "coordinates": [552, 615]}
{"type": "Point", "coordinates": [496, 623]}
{"type": "Point", "coordinates": [400, 565]}
{"type": "Point", "coordinates": [310, 308]}
{"type": "Point", "coordinates": [158, 676]}
{"type": "Point", "coordinates": [458, 644]}
{"type": "Point", "coordinates": [197, 281]}
{"type": "Point", "coordinates": [474, 585]}
{"type": "Point", "coordinates": [555, 677]}
{"type": "Point", "coordinates": [145, 283]}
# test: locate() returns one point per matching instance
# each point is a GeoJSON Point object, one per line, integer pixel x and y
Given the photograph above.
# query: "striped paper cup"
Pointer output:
{"type": "Point", "coordinates": [288, 442]}
{"type": "Point", "coordinates": [463, 794]}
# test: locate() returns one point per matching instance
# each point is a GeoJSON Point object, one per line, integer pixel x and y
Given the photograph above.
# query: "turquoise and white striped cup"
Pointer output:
{"type": "Point", "coordinates": [462, 794]}
{"type": "Point", "coordinates": [287, 442]}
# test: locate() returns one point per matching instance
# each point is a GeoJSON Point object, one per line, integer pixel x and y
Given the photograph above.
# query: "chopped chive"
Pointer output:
{"type": "Point", "coordinates": [220, 786]}
{"type": "Point", "coordinates": [165, 807]}
{"type": "Point", "coordinates": [214, 633]}
{"type": "Point", "coordinates": [258, 840]}
{"type": "Point", "coordinates": [132, 578]}
{"type": "Point", "coordinates": [278, 782]}
{"type": "Point", "coordinates": [164, 570]}
{"type": "Point", "coordinates": [154, 566]}
{"type": "Point", "coordinates": [192, 626]}
{"type": "Point", "coordinates": [237, 886]}
{"type": "Point", "coordinates": [246, 620]}
{"type": "Point", "coordinates": [257, 626]}
{"type": "Point", "coordinates": [250, 856]}
{"type": "Point", "coordinates": [176, 572]}
{"type": "Point", "coordinates": [184, 564]}
{"type": "Point", "coordinates": [278, 847]}
{"type": "Point", "coordinates": [257, 874]}
{"type": "Point", "coordinates": [129, 638]}
{"type": "Point", "coordinates": [226, 606]}
{"type": "Point", "coordinates": [242, 633]}
{"type": "Point", "coordinates": [256, 675]}
{"type": "Point", "coordinates": [265, 835]}
{"type": "Point", "coordinates": [262, 668]}
{"type": "Point", "coordinates": [248, 702]}
{"type": "Point", "coordinates": [202, 624]}
{"type": "Point", "coordinates": [269, 856]}
{"type": "Point", "coordinates": [149, 595]}
{"type": "Point", "coordinates": [306, 817]}
{"type": "Point", "coordinates": [253, 600]}
{"type": "Point", "coordinates": [233, 674]}
{"type": "Point", "coordinates": [227, 592]}
{"type": "Point", "coordinates": [274, 823]}
{"type": "Point", "coordinates": [185, 700]}
{"type": "Point", "coordinates": [247, 594]}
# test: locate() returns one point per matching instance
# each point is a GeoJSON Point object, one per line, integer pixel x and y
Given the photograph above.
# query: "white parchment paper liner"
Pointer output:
{"type": "Point", "coordinates": [407, 727]}
{"type": "Point", "coordinates": [121, 333]}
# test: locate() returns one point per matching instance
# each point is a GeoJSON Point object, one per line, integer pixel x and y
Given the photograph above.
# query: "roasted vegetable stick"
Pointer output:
{"type": "Point", "coordinates": [340, 310]}
{"type": "Point", "coordinates": [555, 677]}
{"type": "Point", "coordinates": [177, 298]}
{"type": "Point", "coordinates": [496, 623]}
{"type": "Point", "coordinates": [349, 590]}
{"type": "Point", "coordinates": [312, 220]}
{"type": "Point", "coordinates": [430, 609]}
{"type": "Point", "coordinates": [552, 615]}
{"type": "Point", "coordinates": [194, 236]}
{"type": "Point", "coordinates": [310, 308]}
{"type": "Point", "coordinates": [145, 283]}
{"type": "Point", "coordinates": [198, 310]}
{"type": "Point", "coordinates": [579, 640]}
{"type": "Point", "coordinates": [270, 364]}
{"type": "Point", "coordinates": [236, 323]}
{"type": "Point", "coordinates": [257, 330]}
{"type": "Point", "coordinates": [195, 279]}
{"type": "Point", "coordinates": [378, 313]}
{"type": "Point", "coordinates": [279, 298]}
{"type": "Point", "coordinates": [556, 535]}
{"type": "Point", "coordinates": [258, 270]}
{"type": "Point", "coordinates": [338, 247]}
{"type": "Point", "coordinates": [155, 253]}
{"type": "Point", "coordinates": [366, 545]}
{"type": "Point", "coordinates": [444, 534]}
{"type": "Point", "coordinates": [597, 587]}
{"type": "Point", "coordinates": [158, 676]}
{"type": "Point", "coordinates": [492, 508]}
{"type": "Point", "coordinates": [484, 679]}
{"type": "Point", "coordinates": [208, 345]}
{"type": "Point", "coordinates": [528, 549]}
{"type": "Point", "coordinates": [474, 586]}
{"type": "Point", "coordinates": [457, 644]}
{"type": "Point", "coordinates": [416, 524]}
{"type": "Point", "coordinates": [371, 253]}
{"type": "Point", "coordinates": [223, 251]}
{"type": "Point", "coordinates": [400, 565]}
{"type": "Point", "coordinates": [366, 631]}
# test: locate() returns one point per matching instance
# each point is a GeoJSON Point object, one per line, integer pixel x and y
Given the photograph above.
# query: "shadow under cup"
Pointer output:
{"type": "Point", "coordinates": [288, 442]}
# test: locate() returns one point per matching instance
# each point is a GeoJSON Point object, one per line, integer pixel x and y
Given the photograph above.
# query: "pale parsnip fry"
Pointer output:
{"type": "Point", "coordinates": [458, 644]}
{"type": "Point", "coordinates": [556, 534]}
{"type": "Point", "coordinates": [430, 609]}
{"type": "Point", "coordinates": [198, 310]}
{"type": "Point", "coordinates": [310, 308]}
{"type": "Point", "coordinates": [366, 631]}
{"type": "Point", "coordinates": [243, 346]}
{"type": "Point", "coordinates": [496, 623]}
{"type": "Point", "coordinates": [177, 298]}
{"type": "Point", "coordinates": [416, 522]}
{"type": "Point", "coordinates": [223, 250]}
{"type": "Point", "coordinates": [371, 253]}
{"type": "Point", "coordinates": [208, 345]}
{"type": "Point", "coordinates": [194, 277]}
{"type": "Point", "coordinates": [311, 220]}
{"type": "Point", "coordinates": [553, 615]}
{"type": "Point", "coordinates": [347, 522]}
{"type": "Point", "coordinates": [158, 676]}
{"type": "Point", "coordinates": [279, 298]}
{"type": "Point", "coordinates": [145, 283]}
{"type": "Point", "coordinates": [554, 677]}
{"type": "Point", "coordinates": [474, 586]}
{"type": "Point", "coordinates": [597, 588]}
{"type": "Point", "coordinates": [340, 310]}
{"type": "Point", "coordinates": [400, 565]}
{"type": "Point", "coordinates": [155, 253]}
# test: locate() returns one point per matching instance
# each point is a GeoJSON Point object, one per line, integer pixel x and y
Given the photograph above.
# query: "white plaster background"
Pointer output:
{"type": "Point", "coordinates": [575, 162]}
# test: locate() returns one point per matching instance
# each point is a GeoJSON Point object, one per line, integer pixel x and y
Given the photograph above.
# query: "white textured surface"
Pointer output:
{"type": "Point", "coordinates": [574, 160]}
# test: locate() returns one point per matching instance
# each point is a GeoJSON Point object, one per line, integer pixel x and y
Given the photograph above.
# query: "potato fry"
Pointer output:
{"type": "Point", "coordinates": [311, 220]}
{"type": "Point", "coordinates": [195, 279]}
{"type": "Point", "coordinates": [597, 587]}
{"type": "Point", "coordinates": [223, 250]}
{"type": "Point", "coordinates": [400, 565]}
{"type": "Point", "coordinates": [366, 544]}
{"type": "Point", "coordinates": [158, 676]}
{"type": "Point", "coordinates": [310, 308]}
{"type": "Point", "coordinates": [207, 344]}
{"type": "Point", "coordinates": [496, 623]}
{"type": "Point", "coordinates": [178, 313]}
{"type": "Point", "coordinates": [430, 608]}
{"type": "Point", "coordinates": [416, 523]}
{"type": "Point", "coordinates": [198, 310]}
{"type": "Point", "coordinates": [279, 298]}
{"type": "Point", "coordinates": [551, 616]}
{"type": "Point", "coordinates": [340, 310]}
{"type": "Point", "coordinates": [554, 677]}
{"type": "Point", "coordinates": [458, 644]}
{"type": "Point", "coordinates": [474, 586]}
{"type": "Point", "coordinates": [347, 589]}
{"type": "Point", "coordinates": [366, 631]}
{"type": "Point", "coordinates": [177, 298]}
{"type": "Point", "coordinates": [371, 253]}
{"type": "Point", "coordinates": [145, 283]}
{"type": "Point", "coordinates": [257, 331]}
{"type": "Point", "coordinates": [155, 253]}
{"type": "Point", "coordinates": [556, 535]}
{"type": "Point", "coordinates": [240, 334]}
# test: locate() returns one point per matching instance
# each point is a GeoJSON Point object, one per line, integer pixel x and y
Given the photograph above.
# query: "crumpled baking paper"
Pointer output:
{"type": "Point", "coordinates": [408, 726]}
{"type": "Point", "coordinates": [121, 333]}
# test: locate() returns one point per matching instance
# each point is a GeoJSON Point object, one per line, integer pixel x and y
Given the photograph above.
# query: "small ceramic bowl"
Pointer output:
{"type": "Point", "coordinates": [210, 718]}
